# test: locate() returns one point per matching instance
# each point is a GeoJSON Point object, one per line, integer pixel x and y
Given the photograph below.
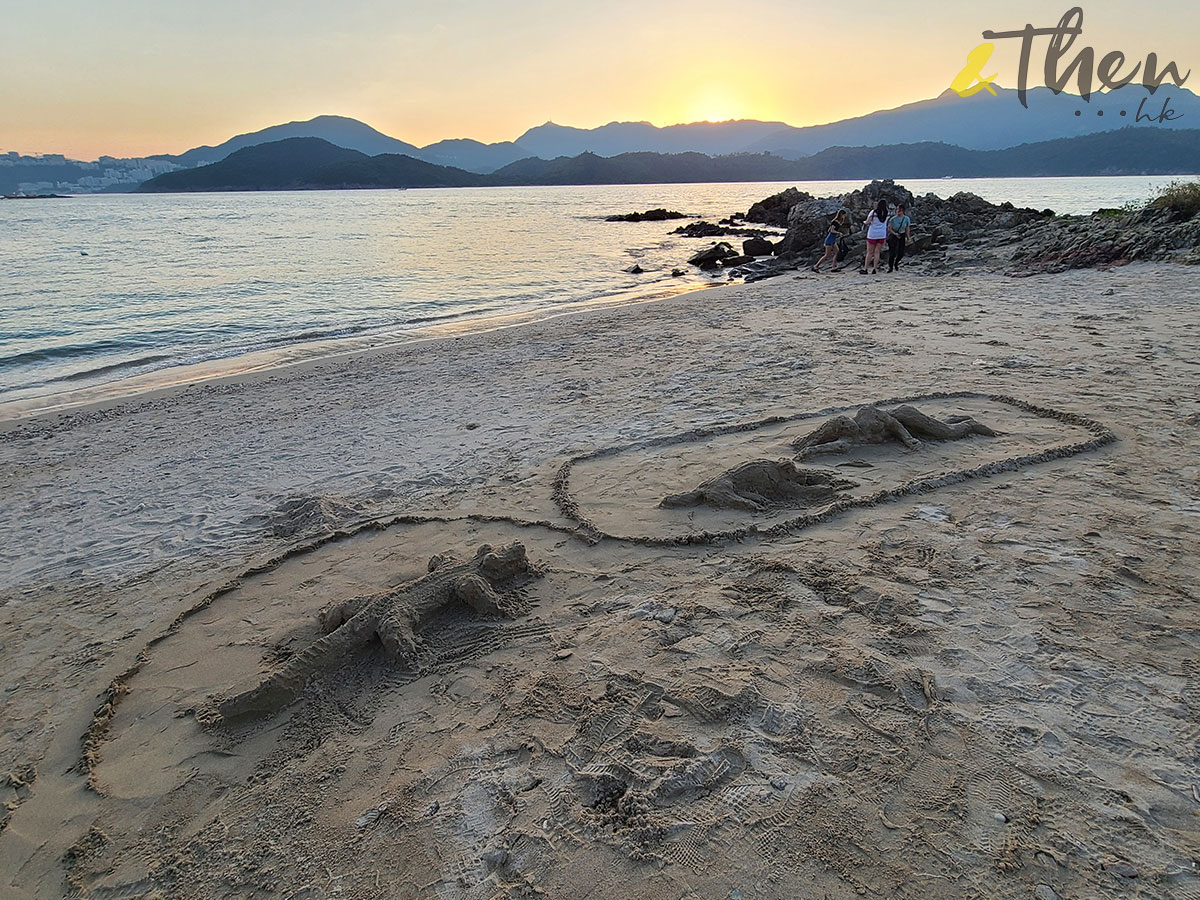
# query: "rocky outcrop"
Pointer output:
{"type": "Point", "coordinates": [757, 246]}
{"type": "Point", "coordinates": [1104, 239]}
{"type": "Point", "coordinates": [937, 222]}
{"type": "Point", "coordinates": [965, 228]}
{"type": "Point", "coordinates": [774, 209]}
{"type": "Point", "coordinates": [650, 215]}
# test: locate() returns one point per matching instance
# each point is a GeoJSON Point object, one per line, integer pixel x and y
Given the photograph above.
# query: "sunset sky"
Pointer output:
{"type": "Point", "coordinates": [133, 77]}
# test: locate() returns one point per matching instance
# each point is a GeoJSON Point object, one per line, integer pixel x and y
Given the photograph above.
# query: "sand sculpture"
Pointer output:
{"type": "Point", "coordinates": [486, 583]}
{"type": "Point", "coordinates": [871, 425]}
{"type": "Point", "coordinates": [762, 484]}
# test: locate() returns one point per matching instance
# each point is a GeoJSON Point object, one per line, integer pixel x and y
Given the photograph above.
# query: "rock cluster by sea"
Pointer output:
{"type": "Point", "coordinates": [947, 233]}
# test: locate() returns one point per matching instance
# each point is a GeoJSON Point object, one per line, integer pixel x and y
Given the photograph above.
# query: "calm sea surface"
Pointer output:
{"type": "Point", "coordinates": [95, 289]}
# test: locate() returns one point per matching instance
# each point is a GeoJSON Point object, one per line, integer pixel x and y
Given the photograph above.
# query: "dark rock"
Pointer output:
{"type": "Point", "coordinates": [922, 244]}
{"type": "Point", "coordinates": [731, 261]}
{"type": "Point", "coordinates": [808, 223]}
{"type": "Point", "coordinates": [650, 215]}
{"type": "Point", "coordinates": [701, 230]}
{"type": "Point", "coordinates": [774, 209]}
{"type": "Point", "coordinates": [757, 246]}
{"type": "Point", "coordinates": [711, 258]}
{"type": "Point", "coordinates": [1098, 241]}
{"type": "Point", "coordinates": [708, 229]}
{"type": "Point", "coordinates": [635, 269]}
{"type": "Point", "coordinates": [1122, 868]}
{"type": "Point", "coordinates": [865, 198]}
{"type": "Point", "coordinates": [677, 273]}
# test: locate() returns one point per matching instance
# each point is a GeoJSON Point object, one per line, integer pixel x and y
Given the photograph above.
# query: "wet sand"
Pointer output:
{"type": "Point", "coordinates": [944, 686]}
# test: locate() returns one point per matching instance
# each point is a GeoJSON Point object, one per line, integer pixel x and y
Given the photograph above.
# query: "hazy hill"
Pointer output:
{"type": "Point", "coordinates": [278, 165]}
{"type": "Point", "coordinates": [1129, 151]}
{"type": "Point", "coordinates": [306, 163]}
{"type": "Point", "coordinates": [337, 130]}
{"type": "Point", "coordinates": [984, 122]}
{"type": "Point", "coordinates": [981, 122]}
{"type": "Point", "coordinates": [473, 156]}
{"type": "Point", "coordinates": [712, 138]}
{"type": "Point", "coordinates": [391, 170]}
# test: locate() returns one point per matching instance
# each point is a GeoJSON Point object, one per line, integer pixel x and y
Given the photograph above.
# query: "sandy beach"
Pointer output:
{"type": "Point", "coordinates": [972, 670]}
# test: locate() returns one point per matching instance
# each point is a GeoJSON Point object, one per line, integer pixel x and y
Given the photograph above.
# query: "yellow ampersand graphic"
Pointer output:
{"type": "Point", "coordinates": [971, 79]}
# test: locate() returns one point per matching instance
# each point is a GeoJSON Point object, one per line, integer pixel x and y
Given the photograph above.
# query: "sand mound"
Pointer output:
{"type": "Point", "coordinates": [761, 485]}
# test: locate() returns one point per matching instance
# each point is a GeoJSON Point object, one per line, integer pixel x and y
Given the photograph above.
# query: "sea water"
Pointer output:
{"type": "Point", "coordinates": [97, 289]}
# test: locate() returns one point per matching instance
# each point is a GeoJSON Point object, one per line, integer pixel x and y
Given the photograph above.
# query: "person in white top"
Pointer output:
{"type": "Point", "coordinates": [877, 232]}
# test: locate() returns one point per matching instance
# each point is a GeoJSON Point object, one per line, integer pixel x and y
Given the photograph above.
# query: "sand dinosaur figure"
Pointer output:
{"type": "Point", "coordinates": [872, 425]}
{"type": "Point", "coordinates": [485, 583]}
{"type": "Point", "coordinates": [760, 485]}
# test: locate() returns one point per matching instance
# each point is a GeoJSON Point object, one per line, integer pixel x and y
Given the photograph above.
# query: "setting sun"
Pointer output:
{"type": "Point", "coordinates": [716, 103]}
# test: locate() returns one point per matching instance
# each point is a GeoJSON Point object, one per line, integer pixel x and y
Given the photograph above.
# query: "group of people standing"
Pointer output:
{"type": "Point", "coordinates": [881, 228]}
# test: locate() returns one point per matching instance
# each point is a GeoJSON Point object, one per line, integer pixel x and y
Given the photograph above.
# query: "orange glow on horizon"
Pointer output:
{"type": "Point", "coordinates": [161, 79]}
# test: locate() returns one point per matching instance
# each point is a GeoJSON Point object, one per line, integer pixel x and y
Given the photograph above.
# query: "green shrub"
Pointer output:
{"type": "Point", "coordinates": [1182, 197]}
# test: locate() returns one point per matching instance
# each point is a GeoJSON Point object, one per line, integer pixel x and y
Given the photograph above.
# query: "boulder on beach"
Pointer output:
{"type": "Point", "coordinates": [701, 230]}
{"type": "Point", "coordinates": [650, 215]}
{"type": "Point", "coordinates": [808, 223]}
{"type": "Point", "coordinates": [711, 258]}
{"type": "Point", "coordinates": [757, 246]}
{"type": "Point", "coordinates": [708, 229]}
{"type": "Point", "coordinates": [730, 261]}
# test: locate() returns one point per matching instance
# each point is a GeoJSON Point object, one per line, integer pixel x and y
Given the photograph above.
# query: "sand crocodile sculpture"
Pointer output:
{"type": "Point", "coordinates": [762, 484]}
{"type": "Point", "coordinates": [488, 583]}
{"type": "Point", "coordinates": [871, 425]}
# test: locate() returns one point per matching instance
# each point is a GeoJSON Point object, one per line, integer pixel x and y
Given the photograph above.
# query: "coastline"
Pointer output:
{"type": "Point", "coordinates": [939, 668]}
{"type": "Point", "coordinates": [259, 304]}
{"type": "Point", "coordinates": [301, 356]}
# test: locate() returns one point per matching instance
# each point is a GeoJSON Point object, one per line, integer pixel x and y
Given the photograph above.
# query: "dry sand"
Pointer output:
{"type": "Point", "coordinates": [939, 686]}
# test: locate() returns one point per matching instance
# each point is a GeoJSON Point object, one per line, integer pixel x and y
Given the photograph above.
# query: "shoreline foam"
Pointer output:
{"type": "Point", "coordinates": [266, 363]}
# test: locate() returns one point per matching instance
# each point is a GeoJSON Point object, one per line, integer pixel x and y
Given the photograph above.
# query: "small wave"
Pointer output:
{"type": "Point", "coordinates": [110, 368]}
{"type": "Point", "coordinates": [70, 351]}
{"type": "Point", "coordinates": [316, 335]}
{"type": "Point", "coordinates": [472, 311]}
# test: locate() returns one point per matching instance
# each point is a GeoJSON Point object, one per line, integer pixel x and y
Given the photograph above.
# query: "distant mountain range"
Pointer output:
{"type": "Point", "coordinates": [313, 163]}
{"type": "Point", "coordinates": [981, 122]}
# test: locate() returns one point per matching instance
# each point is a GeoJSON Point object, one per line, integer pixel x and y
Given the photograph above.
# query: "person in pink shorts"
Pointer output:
{"type": "Point", "coordinates": [877, 232]}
